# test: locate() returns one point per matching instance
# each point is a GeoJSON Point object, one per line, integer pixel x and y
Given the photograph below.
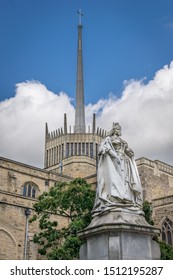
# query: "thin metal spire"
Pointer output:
{"type": "Point", "coordinates": [80, 108]}
{"type": "Point", "coordinates": [80, 16]}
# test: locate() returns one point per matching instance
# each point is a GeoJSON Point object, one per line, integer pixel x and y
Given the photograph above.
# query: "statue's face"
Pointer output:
{"type": "Point", "coordinates": [118, 131]}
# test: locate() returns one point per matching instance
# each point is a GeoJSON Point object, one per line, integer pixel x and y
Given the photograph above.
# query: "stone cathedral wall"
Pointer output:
{"type": "Point", "coordinates": [13, 204]}
{"type": "Point", "coordinates": [157, 182]}
{"type": "Point", "coordinates": [156, 178]}
{"type": "Point", "coordinates": [162, 208]}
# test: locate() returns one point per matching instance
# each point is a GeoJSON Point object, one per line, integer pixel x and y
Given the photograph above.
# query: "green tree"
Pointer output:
{"type": "Point", "coordinates": [73, 201]}
{"type": "Point", "coordinates": [148, 212]}
{"type": "Point", "coordinates": [165, 249]}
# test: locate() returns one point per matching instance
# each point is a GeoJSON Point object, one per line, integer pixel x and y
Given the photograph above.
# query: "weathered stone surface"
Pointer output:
{"type": "Point", "coordinates": [119, 240]}
{"type": "Point", "coordinates": [13, 204]}
{"type": "Point", "coordinates": [156, 178]}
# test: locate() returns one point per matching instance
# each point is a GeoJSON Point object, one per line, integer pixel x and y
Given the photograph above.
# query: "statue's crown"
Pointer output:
{"type": "Point", "coordinates": [115, 124]}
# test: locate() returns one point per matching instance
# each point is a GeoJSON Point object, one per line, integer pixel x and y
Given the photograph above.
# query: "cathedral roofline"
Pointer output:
{"type": "Point", "coordinates": [47, 172]}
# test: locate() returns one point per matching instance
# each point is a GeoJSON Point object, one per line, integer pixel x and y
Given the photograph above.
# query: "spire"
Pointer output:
{"type": "Point", "coordinates": [80, 108]}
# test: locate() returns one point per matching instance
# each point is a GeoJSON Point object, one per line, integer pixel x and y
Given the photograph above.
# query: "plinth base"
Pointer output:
{"type": "Point", "coordinates": [111, 238]}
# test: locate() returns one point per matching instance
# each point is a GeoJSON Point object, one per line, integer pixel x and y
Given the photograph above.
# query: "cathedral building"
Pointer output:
{"type": "Point", "coordinates": [70, 153]}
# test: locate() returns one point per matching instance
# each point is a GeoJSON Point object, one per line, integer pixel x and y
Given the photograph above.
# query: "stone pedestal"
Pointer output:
{"type": "Point", "coordinates": [119, 235]}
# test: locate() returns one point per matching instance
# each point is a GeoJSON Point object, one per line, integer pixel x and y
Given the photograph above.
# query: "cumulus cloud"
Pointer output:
{"type": "Point", "coordinates": [144, 110]}
{"type": "Point", "coordinates": [23, 118]}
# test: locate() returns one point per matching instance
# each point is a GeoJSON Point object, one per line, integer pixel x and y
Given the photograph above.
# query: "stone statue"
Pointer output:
{"type": "Point", "coordinates": [118, 184]}
{"type": "Point", "coordinates": [118, 229]}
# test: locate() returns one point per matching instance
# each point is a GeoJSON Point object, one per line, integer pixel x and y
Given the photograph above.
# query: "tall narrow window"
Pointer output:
{"type": "Point", "coordinates": [91, 150]}
{"type": "Point", "coordinates": [54, 155]}
{"type": "Point", "coordinates": [83, 149]}
{"type": "Point", "coordinates": [96, 153]}
{"type": "Point", "coordinates": [57, 154]}
{"type": "Point", "coordinates": [71, 149]}
{"type": "Point", "coordinates": [167, 231]}
{"type": "Point", "coordinates": [96, 149]}
{"type": "Point", "coordinates": [62, 151]}
{"type": "Point", "coordinates": [79, 149]}
{"type": "Point", "coordinates": [67, 149]}
{"type": "Point", "coordinates": [47, 158]}
{"type": "Point", "coordinates": [75, 149]}
{"type": "Point", "coordinates": [87, 149]}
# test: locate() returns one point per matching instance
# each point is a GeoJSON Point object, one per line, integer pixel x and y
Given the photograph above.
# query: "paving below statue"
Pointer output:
{"type": "Point", "coordinates": [118, 229]}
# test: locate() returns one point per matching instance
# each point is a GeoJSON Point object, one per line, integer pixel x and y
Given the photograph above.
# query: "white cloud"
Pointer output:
{"type": "Point", "coordinates": [23, 118]}
{"type": "Point", "coordinates": [145, 112]}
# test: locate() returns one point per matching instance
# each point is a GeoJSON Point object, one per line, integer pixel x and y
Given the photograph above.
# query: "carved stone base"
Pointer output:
{"type": "Point", "coordinates": [119, 236]}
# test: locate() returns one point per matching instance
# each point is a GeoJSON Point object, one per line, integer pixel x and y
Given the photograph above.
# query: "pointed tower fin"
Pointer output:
{"type": "Point", "coordinates": [45, 152]}
{"type": "Point", "coordinates": [65, 123]}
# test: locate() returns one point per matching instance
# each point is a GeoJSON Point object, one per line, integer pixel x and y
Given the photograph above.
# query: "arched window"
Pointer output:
{"type": "Point", "coordinates": [29, 190]}
{"type": "Point", "coordinates": [167, 231]}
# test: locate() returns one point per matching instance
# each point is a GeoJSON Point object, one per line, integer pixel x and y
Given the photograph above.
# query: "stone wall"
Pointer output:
{"type": "Point", "coordinates": [156, 178]}
{"type": "Point", "coordinates": [79, 166]}
{"type": "Point", "coordinates": [13, 175]}
{"type": "Point", "coordinates": [162, 209]}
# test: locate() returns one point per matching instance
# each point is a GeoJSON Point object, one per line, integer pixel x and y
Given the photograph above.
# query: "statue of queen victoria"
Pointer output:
{"type": "Point", "coordinates": [118, 182]}
{"type": "Point", "coordinates": [118, 229]}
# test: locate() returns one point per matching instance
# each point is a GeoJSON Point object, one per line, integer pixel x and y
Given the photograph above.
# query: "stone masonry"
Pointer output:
{"type": "Point", "coordinates": [156, 178]}
{"type": "Point", "coordinates": [13, 175]}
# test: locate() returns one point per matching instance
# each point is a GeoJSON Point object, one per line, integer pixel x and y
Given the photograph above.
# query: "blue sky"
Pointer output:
{"type": "Point", "coordinates": [122, 40]}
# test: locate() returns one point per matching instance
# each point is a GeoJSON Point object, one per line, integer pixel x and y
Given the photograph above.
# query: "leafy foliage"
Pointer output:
{"type": "Point", "coordinates": [148, 212]}
{"type": "Point", "coordinates": [165, 249]}
{"type": "Point", "coordinates": [73, 201]}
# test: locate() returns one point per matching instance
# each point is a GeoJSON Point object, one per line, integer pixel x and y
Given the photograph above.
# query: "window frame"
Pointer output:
{"type": "Point", "coordinates": [30, 190]}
